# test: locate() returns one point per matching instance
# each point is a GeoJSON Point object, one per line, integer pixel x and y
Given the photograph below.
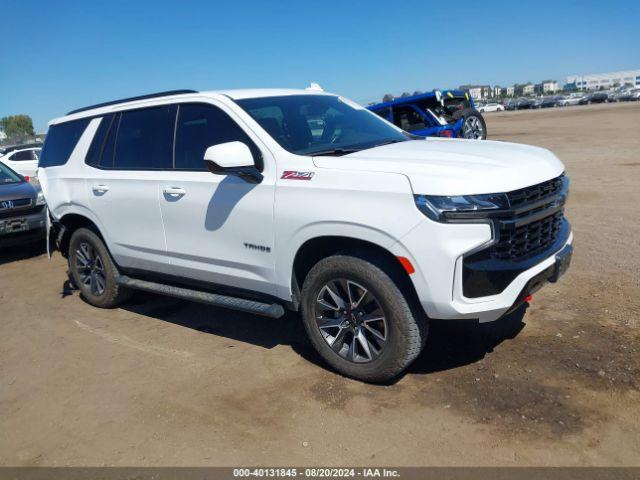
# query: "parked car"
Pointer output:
{"type": "Point", "coordinates": [22, 158]}
{"type": "Point", "coordinates": [628, 95]}
{"type": "Point", "coordinates": [511, 104]}
{"type": "Point", "coordinates": [593, 97]}
{"type": "Point", "coordinates": [261, 200]}
{"type": "Point", "coordinates": [524, 103]}
{"type": "Point", "coordinates": [548, 101]}
{"type": "Point", "coordinates": [491, 107]}
{"type": "Point", "coordinates": [22, 209]}
{"type": "Point", "coordinates": [436, 114]}
{"type": "Point", "coordinates": [571, 99]}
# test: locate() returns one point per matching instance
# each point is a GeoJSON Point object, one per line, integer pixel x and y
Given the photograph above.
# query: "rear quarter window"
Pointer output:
{"type": "Point", "coordinates": [61, 139]}
{"type": "Point", "coordinates": [94, 155]}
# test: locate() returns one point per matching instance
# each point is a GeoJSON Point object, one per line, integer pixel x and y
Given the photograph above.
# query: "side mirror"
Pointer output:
{"type": "Point", "coordinates": [232, 158]}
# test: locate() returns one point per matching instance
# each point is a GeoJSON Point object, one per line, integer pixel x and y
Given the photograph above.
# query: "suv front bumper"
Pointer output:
{"type": "Point", "coordinates": [439, 252]}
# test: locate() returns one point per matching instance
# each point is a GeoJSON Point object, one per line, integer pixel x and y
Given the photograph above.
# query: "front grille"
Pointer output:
{"type": "Point", "coordinates": [21, 212]}
{"type": "Point", "coordinates": [517, 236]}
{"type": "Point", "coordinates": [535, 192]}
{"type": "Point", "coordinates": [514, 244]}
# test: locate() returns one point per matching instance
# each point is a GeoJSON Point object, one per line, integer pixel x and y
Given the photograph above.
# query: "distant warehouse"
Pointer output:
{"type": "Point", "coordinates": [605, 80]}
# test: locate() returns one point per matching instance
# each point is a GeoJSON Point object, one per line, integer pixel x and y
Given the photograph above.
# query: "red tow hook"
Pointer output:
{"type": "Point", "coordinates": [528, 298]}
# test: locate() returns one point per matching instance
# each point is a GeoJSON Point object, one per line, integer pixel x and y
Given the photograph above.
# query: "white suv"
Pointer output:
{"type": "Point", "coordinates": [261, 200]}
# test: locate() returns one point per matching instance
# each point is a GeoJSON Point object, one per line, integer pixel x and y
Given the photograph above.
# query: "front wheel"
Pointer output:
{"type": "Point", "coordinates": [474, 127]}
{"type": "Point", "coordinates": [359, 320]}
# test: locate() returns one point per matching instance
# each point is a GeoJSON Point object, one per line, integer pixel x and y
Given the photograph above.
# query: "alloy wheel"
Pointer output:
{"type": "Point", "coordinates": [472, 128]}
{"type": "Point", "coordinates": [90, 268]}
{"type": "Point", "coordinates": [351, 320]}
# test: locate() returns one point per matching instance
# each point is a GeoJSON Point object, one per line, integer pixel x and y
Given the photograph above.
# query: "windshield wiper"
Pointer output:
{"type": "Point", "coordinates": [334, 151]}
{"type": "Point", "coordinates": [385, 143]}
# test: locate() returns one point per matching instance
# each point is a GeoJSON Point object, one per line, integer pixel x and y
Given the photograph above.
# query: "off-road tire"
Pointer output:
{"type": "Point", "coordinates": [113, 293]}
{"type": "Point", "coordinates": [407, 324]}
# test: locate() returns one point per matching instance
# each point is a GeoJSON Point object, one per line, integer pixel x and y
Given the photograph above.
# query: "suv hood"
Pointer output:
{"type": "Point", "coordinates": [454, 167]}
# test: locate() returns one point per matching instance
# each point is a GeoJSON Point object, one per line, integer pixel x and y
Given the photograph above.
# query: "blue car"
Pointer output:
{"type": "Point", "coordinates": [435, 114]}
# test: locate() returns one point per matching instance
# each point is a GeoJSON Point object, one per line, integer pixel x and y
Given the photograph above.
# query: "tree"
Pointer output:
{"type": "Point", "coordinates": [405, 94]}
{"type": "Point", "coordinates": [18, 128]}
{"type": "Point", "coordinates": [387, 97]}
{"type": "Point", "coordinates": [417, 92]}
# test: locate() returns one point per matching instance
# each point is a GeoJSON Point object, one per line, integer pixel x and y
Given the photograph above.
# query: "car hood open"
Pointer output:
{"type": "Point", "coordinates": [454, 167]}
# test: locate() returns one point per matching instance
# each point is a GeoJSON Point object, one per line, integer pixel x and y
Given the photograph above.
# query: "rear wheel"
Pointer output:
{"type": "Point", "coordinates": [93, 271]}
{"type": "Point", "coordinates": [358, 319]}
{"type": "Point", "coordinates": [474, 127]}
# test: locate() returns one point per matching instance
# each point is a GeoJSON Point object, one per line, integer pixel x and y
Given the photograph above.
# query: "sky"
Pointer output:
{"type": "Point", "coordinates": [59, 55]}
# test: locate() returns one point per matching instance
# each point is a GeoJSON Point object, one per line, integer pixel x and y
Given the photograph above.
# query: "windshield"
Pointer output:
{"type": "Point", "coordinates": [320, 124]}
{"type": "Point", "coordinates": [8, 176]}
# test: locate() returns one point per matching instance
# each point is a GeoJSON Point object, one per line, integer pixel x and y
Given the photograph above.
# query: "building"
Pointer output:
{"type": "Point", "coordinates": [477, 92]}
{"type": "Point", "coordinates": [600, 81]}
{"type": "Point", "coordinates": [518, 89]}
{"type": "Point", "coordinates": [497, 92]}
{"type": "Point", "coordinates": [528, 89]}
{"type": "Point", "coordinates": [547, 86]}
{"type": "Point", "coordinates": [510, 91]}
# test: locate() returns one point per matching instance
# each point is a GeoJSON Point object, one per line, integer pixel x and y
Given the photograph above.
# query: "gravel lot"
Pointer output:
{"type": "Point", "coordinates": [165, 382]}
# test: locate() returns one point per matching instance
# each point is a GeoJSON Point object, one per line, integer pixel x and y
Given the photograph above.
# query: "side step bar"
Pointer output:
{"type": "Point", "coordinates": [272, 310]}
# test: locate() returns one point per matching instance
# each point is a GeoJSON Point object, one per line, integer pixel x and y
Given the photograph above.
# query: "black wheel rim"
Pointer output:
{"type": "Point", "coordinates": [351, 321]}
{"type": "Point", "coordinates": [90, 269]}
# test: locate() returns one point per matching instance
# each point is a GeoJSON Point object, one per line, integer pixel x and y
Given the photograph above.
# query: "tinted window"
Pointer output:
{"type": "Point", "coordinates": [60, 142]}
{"type": "Point", "coordinates": [97, 144]}
{"type": "Point", "coordinates": [199, 127]}
{"type": "Point", "coordinates": [8, 176]}
{"type": "Point", "coordinates": [145, 139]}
{"type": "Point", "coordinates": [24, 155]}
{"type": "Point", "coordinates": [106, 159]}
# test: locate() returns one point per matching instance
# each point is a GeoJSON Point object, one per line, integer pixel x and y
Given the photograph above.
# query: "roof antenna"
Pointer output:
{"type": "Point", "coordinates": [314, 86]}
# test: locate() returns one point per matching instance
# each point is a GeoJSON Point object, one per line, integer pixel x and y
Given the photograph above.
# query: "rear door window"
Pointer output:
{"type": "Point", "coordinates": [145, 139]}
{"type": "Point", "coordinates": [60, 142]}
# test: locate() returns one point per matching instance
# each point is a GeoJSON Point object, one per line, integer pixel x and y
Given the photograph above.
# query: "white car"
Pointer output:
{"type": "Point", "coordinates": [266, 200]}
{"type": "Point", "coordinates": [22, 159]}
{"type": "Point", "coordinates": [572, 99]}
{"type": "Point", "coordinates": [491, 107]}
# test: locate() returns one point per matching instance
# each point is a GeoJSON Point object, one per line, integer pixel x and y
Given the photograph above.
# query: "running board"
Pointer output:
{"type": "Point", "coordinates": [272, 310]}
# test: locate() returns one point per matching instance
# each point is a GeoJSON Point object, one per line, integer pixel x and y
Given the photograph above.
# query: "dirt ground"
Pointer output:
{"type": "Point", "coordinates": [166, 382]}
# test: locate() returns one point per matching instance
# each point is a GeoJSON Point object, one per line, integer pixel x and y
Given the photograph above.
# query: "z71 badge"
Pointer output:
{"type": "Point", "coordinates": [293, 175]}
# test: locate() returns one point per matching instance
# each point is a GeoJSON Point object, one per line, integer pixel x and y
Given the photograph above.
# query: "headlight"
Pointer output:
{"type": "Point", "coordinates": [40, 200]}
{"type": "Point", "coordinates": [461, 208]}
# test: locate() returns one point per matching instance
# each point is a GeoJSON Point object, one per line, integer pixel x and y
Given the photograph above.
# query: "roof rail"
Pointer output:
{"type": "Point", "coordinates": [131, 99]}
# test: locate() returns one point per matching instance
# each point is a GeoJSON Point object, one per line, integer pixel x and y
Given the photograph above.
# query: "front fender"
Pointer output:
{"type": "Point", "coordinates": [352, 230]}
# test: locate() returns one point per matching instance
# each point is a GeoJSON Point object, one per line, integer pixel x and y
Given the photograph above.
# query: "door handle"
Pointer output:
{"type": "Point", "coordinates": [100, 189]}
{"type": "Point", "coordinates": [174, 192]}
